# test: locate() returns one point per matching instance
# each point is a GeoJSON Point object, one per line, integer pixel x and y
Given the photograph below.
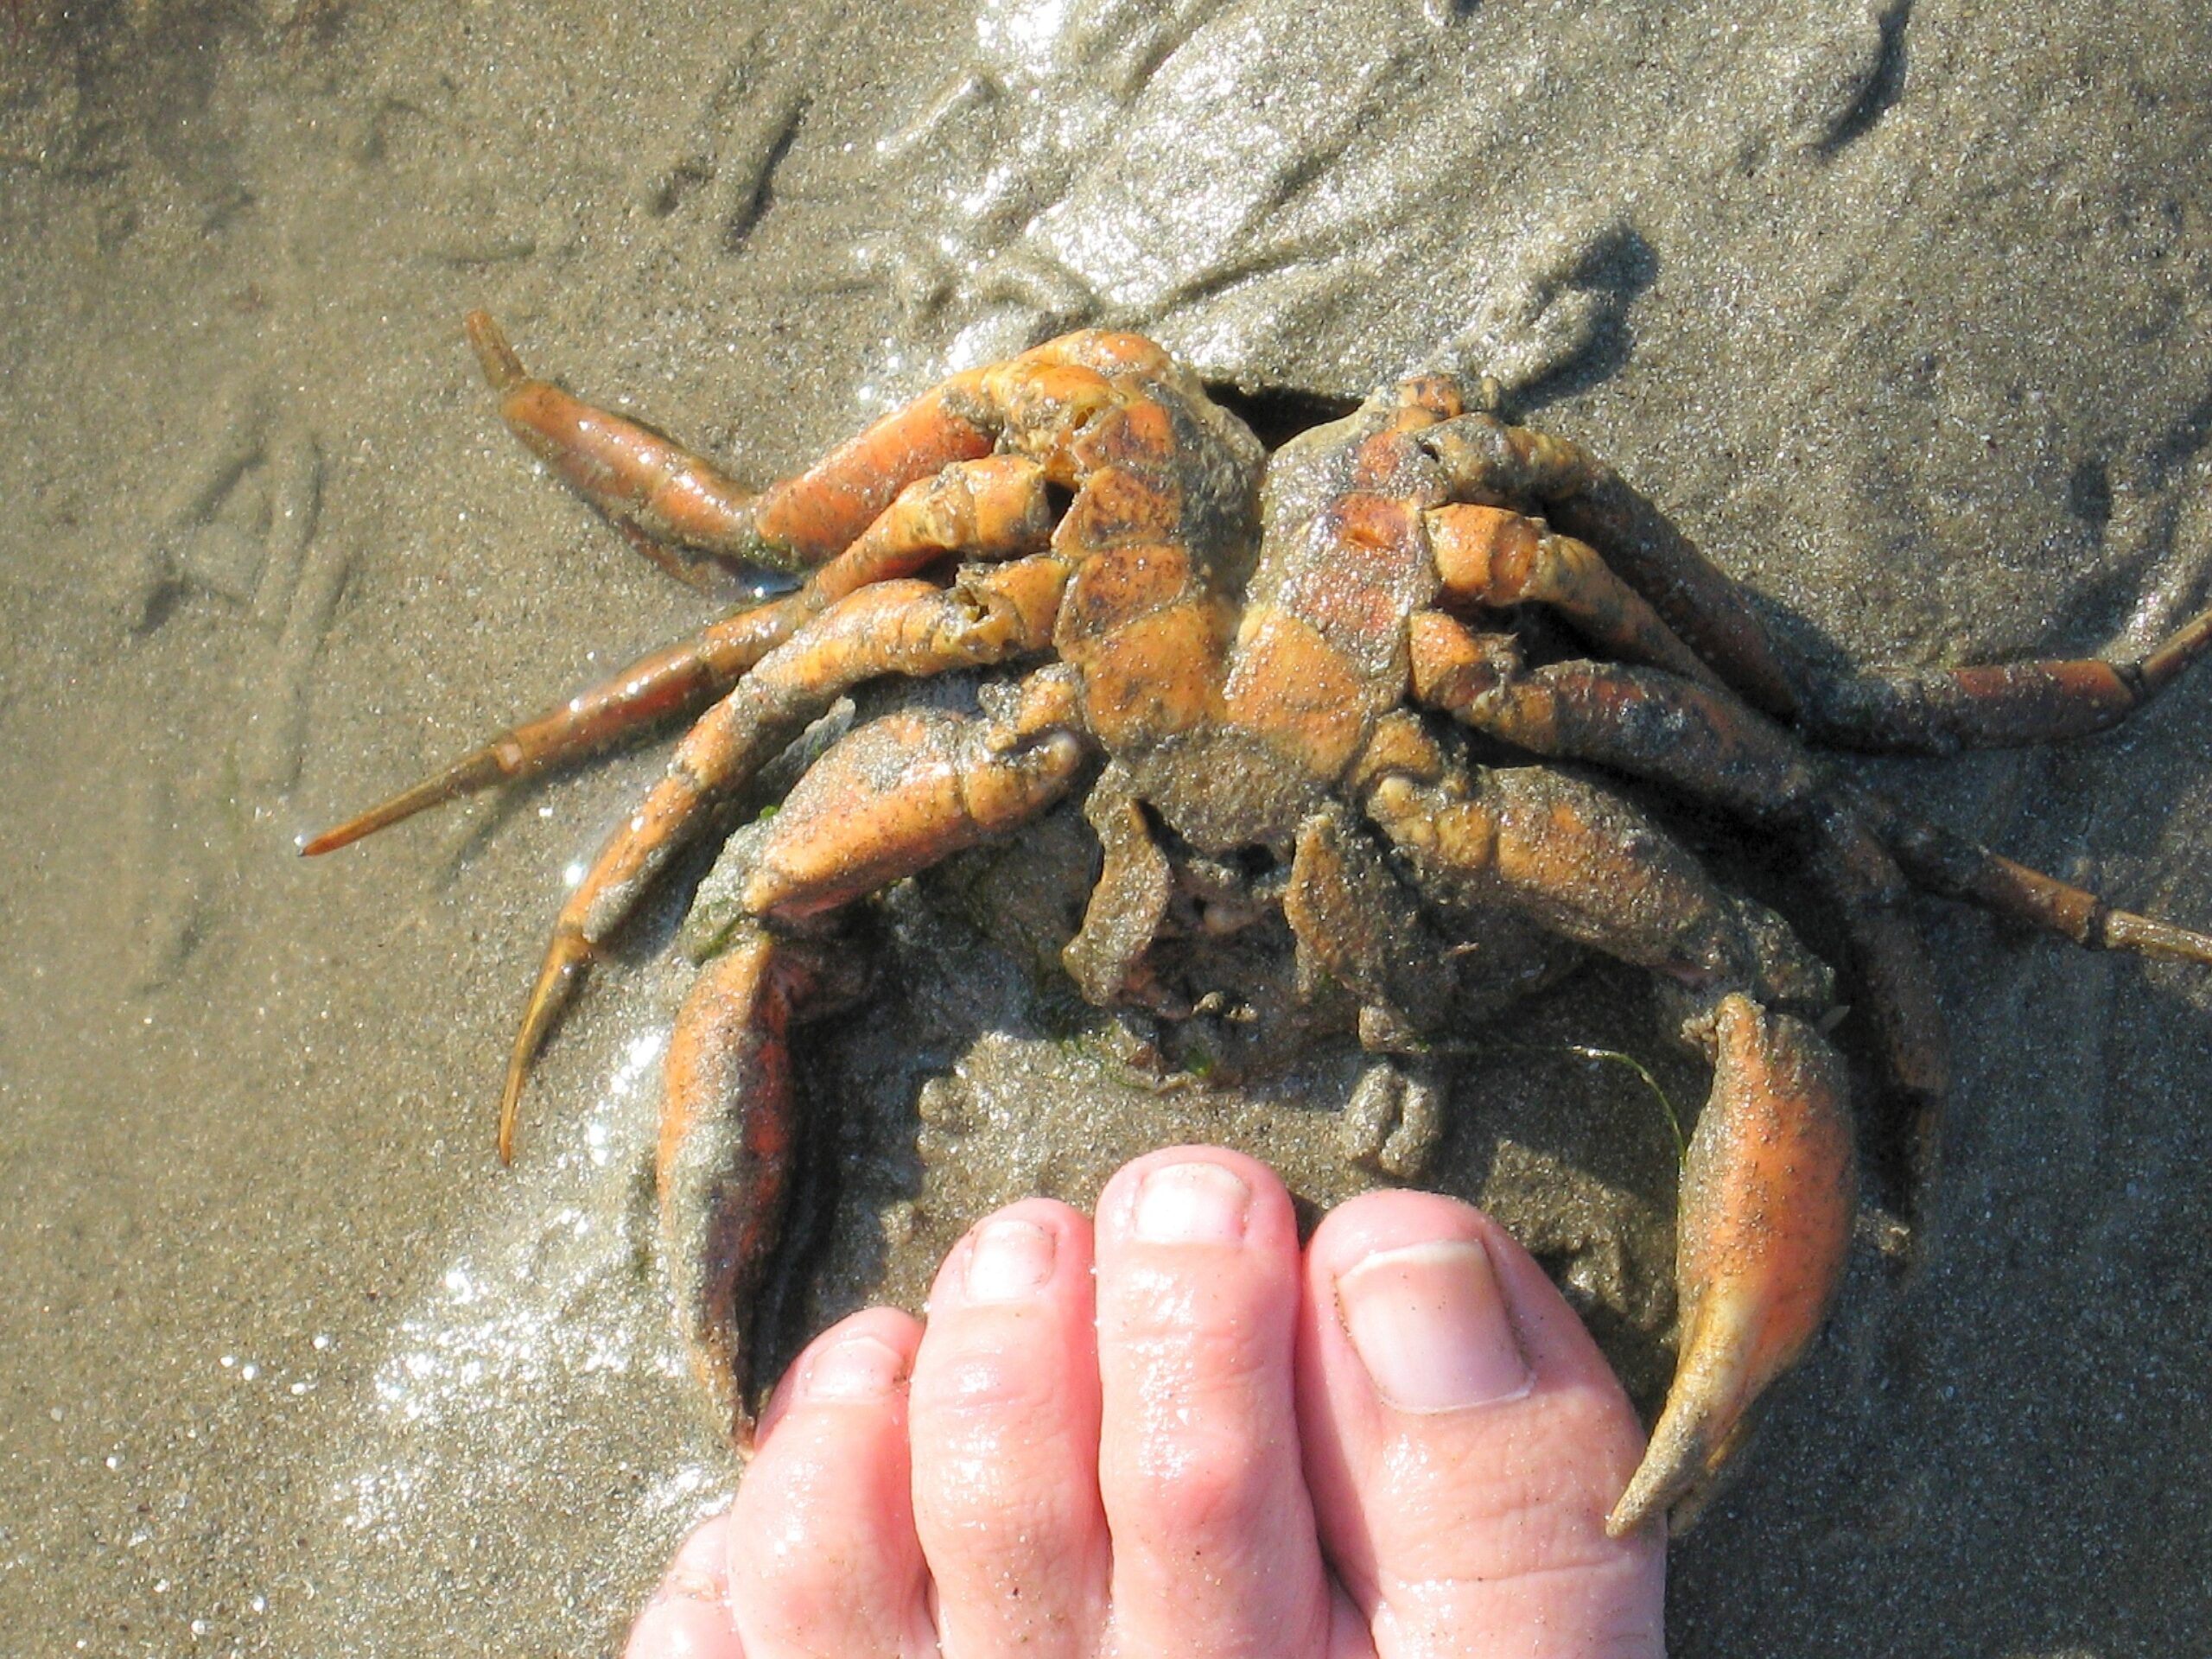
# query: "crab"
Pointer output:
{"type": "Point", "coordinates": [1333, 685]}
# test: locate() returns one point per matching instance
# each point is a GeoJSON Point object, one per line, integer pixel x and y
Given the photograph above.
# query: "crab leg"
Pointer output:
{"type": "Point", "coordinates": [1585, 864]}
{"type": "Point", "coordinates": [899, 627]}
{"type": "Point", "coordinates": [992, 509]}
{"type": "Point", "coordinates": [1996, 705]}
{"type": "Point", "coordinates": [1699, 739]}
{"type": "Point", "coordinates": [1770, 1186]}
{"type": "Point", "coordinates": [1711, 748]}
{"type": "Point", "coordinates": [1705, 743]}
{"type": "Point", "coordinates": [1489, 463]}
{"type": "Point", "coordinates": [887, 800]}
{"type": "Point", "coordinates": [1915, 711]}
{"type": "Point", "coordinates": [1958, 868]}
{"type": "Point", "coordinates": [727, 1136]}
{"type": "Point", "coordinates": [1494, 557]}
{"type": "Point", "coordinates": [1768, 1192]}
{"type": "Point", "coordinates": [642, 482]}
{"type": "Point", "coordinates": [1894, 976]}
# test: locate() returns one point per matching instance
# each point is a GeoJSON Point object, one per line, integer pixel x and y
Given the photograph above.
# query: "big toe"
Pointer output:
{"type": "Point", "coordinates": [1464, 1441]}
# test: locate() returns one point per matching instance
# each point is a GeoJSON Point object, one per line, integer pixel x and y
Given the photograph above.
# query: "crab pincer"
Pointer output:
{"type": "Point", "coordinates": [1769, 1187]}
{"type": "Point", "coordinates": [889, 799]}
{"type": "Point", "coordinates": [723, 1166]}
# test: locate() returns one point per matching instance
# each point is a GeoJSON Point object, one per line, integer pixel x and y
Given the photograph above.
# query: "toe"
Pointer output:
{"type": "Point", "coordinates": [1005, 1432]}
{"type": "Point", "coordinates": [1213, 1540]}
{"type": "Point", "coordinates": [831, 1565]}
{"type": "Point", "coordinates": [1464, 1440]}
{"type": "Point", "coordinates": [688, 1616]}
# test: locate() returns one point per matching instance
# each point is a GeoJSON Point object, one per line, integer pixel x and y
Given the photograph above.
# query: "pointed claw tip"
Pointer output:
{"type": "Point", "coordinates": [502, 368]}
{"type": "Point", "coordinates": [564, 959]}
{"type": "Point", "coordinates": [1659, 1480]}
{"type": "Point", "coordinates": [510, 1094]}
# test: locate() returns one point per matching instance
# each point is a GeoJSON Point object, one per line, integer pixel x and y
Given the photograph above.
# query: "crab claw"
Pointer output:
{"type": "Point", "coordinates": [1769, 1191]}
{"type": "Point", "coordinates": [725, 1159]}
{"type": "Point", "coordinates": [727, 1135]}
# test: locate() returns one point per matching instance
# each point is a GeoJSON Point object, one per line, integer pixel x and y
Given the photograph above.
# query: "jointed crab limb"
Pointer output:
{"type": "Point", "coordinates": [1893, 985]}
{"type": "Point", "coordinates": [1489, 463]}
{"type": "Point", "coordinates": [904, 792]}
{"type": "Point", "coordinates": [1768, 1192]}
{"type": "Point", "coordinates": [630, 472]}
{"type": "Point", "coordinates": [1707, 609]}
{"type": "Point", "coordinates": [1935, 711]}
{"type": "Point", "coordinates": [1652, 724]}
{"type": "Point", "coordinates": [1699, 739]}
{"type": "Point", "coordinates": [639, 479]}
{"type": "Point", "coordinates": [901, 627]}
{"type": "Point", "coordinates": [996, 508]}
{"type": "Point", "coordinates": [1586, 865]}
{"type": "Point", "coordinates": [669, 683]}
{"type": "Point", "coordinates": [1493, 557]}
{"type": "Point", "coordinates": [726, 1144]}
{"type": "Point", "coordinates": [1709, 746]}
{"type": "Point", "coordinates": [1994, 705]}
{"type": "Point", "coordinates": [887, 800]}
{"type": "Point", "coordinates": [1958, 868]}
{"type": "Point", "coordinates": [1769, 1185]}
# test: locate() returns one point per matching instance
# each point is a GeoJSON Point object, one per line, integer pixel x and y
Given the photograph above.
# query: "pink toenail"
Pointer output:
{"type": "Point", "coordinates": [1009, 1261]}
{"type": "Point", "coordinates": [1432, 1327]}
{"type": "Point", "coordinates": [857, 1369]}
{"type": "Point", "coordinates": [1192, 1204]}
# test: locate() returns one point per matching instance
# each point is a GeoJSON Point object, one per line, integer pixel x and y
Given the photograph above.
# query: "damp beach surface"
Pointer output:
{"type": "Point", "coordinates": [1904, 313]}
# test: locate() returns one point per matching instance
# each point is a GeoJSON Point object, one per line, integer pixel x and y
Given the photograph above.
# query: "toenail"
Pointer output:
{"type": "Point", "coordinates": [1431, 1326]}
{"type": "Point", "coordinates": [858, 1369]}
{"type": "Point", "coordinates": [1192, 1204]}
{"type": "Point", "coordinates": [1009, 1261]}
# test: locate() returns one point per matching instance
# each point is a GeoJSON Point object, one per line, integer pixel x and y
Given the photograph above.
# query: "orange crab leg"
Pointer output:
{"type": "Point", "coordinates": [1492, 464]}
{"type": "Point", "coordinates": [902, 627]}
{"type": "Point", "coordinates": [1497, 558]}
{"type": "Point", "coordinates": [1769, 1185]}
{"type": "Point", "coordinates": [1996, 705]}
{"type": "Point", "coordinates": [1699, 738]}
{"type": "Point", "coordinates": [1711, 748]}
{"type": "Point", "coordinates": [640, 480]}
{"type": "Point", "coordinates": [1705, 743]}
{"type": "Point", "coordinates": [1958, 868]}
{"type": "Point", "coordinates": [727, 1136]}
{"type": "Point", "coordinates": [1587, 866]}
{"type": "Point", "coordinates": [636, 477]}
{"type": "Point", "coordinates": [1768, 1192]}
{"type": "Point", "coordinates": [664, 685]}
{"type": "Point", "coordinates": [996, 508]}
{"type": "Point", "coordinates": [904, 792]}
{"type": "Point", "coordinates": [1912, 711]}
{"type": "Point", "coordinates": [889, 799]}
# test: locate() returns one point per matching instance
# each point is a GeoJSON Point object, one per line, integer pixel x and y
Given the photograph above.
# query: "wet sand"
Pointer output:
{"type": "Point", "coordinates": [1907, 317]}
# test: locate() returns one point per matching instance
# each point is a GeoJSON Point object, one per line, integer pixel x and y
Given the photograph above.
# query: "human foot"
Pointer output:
{"type": "Point", "coordinates": [1401, 1442]}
